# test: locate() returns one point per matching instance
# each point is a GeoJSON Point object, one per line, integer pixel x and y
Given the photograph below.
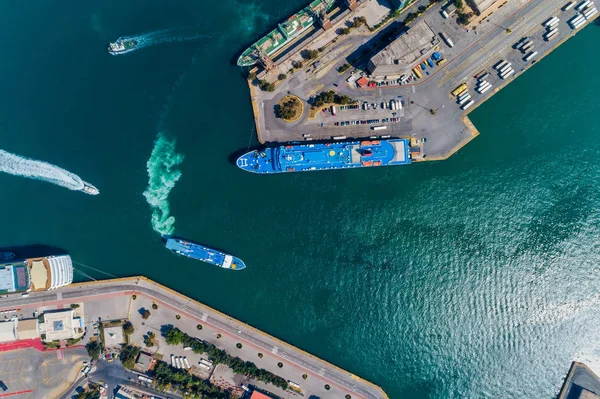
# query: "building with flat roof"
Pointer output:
{"type": "Point", "coordinates": [27, 329]}
{"type": "Point", "coordinates": [59, 324]}
{"type": "Point", "coordinates": [481, 5]}
{"type": "Point", "coordinates": [113, 336]}
{"type": "Point", "coordinates": [408, 50]}
{"type": "Point", "coordinates": [8, 331]}
{"type": "Point", "coordinates": [144, 362]}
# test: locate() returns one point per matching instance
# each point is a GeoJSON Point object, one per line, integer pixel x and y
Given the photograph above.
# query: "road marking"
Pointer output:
{"type": "Point", "coordinates": [322, 372]}
{"type": "Point", "coordinates": [59, 295]}
{"type": "Point", "coordinates": [204, 317]}
{"type": "Point", "coordinates": [60, 354]}
{"type": "Point", "coordinates": [275, 349]}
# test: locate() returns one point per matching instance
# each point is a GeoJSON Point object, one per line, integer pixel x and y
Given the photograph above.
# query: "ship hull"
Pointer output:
{"type": "Point", "coordinates": [203, 253]}
{"type": "Point", "coordinates": [285, 32]}
{"type": "Point", "coordinates": [327, 156]}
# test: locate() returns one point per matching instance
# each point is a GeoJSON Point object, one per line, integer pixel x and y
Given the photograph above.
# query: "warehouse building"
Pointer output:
{"type": "Point", "coordinates": [401, 55]}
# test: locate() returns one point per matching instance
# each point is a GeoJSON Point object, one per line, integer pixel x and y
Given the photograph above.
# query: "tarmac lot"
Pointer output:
{"type": "Point", "coordinates": [40, 374]}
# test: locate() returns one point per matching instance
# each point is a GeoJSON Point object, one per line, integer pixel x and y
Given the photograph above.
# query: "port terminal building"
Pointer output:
{"type": "Point", "coordinates": [401, 55]}
{"type": "Point", "coordinates": [35, 274]}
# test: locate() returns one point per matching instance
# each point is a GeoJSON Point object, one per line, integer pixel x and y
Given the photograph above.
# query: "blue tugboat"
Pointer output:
{"type": "Point", "coordinates": [326, 156]}
{"type": "Point", "coordinates": [205, 254]}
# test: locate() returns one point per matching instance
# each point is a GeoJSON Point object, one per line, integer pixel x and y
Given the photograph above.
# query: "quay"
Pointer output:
{"type": "Point", "coordinates": [129, 298]}
{"type": "Point", "coordinates": [581, 382]}
{"type": "Point", "coordinates": [418, 62]}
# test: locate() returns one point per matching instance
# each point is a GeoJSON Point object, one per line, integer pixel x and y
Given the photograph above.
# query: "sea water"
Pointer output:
{"type": "Point", "coordinates": [472, 277]}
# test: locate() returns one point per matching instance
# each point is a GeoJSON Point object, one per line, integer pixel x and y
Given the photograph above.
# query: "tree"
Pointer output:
{"type": "Point", "coordinates": [459, 4]}
{"type": "Point", "coordinates": [128, 328]}
{"type": "Point", "coordinates": [282, 76]}
{"type": "Point", "coordinates": [288, 110]}
{"type": "Point", "coordinates": [129, 355]}
{"type": "Point", "coordinates": [93, 349]}
{"type": "Point", "coordinates": [266, 86]}
{"type": "Point", "coordinates": [149, 339]}
{"type": "Point", "coordinates": [342, 99]}
{"type": "Point", "coordinates": [74, 305]}
{"type": "Point", "coordinates": [463, 19]}
{"type": "Point", "coordinates": [91, 393]}
{"type": "Point", "coordinates": [310, 54]}
{"type": "Point", "coordinates": [252, 76]}
{"type": "Point", "coordinates": [344, 31]}
{"type": "Point", "coordinates": [145, 314]}
{"type": "Point", "coordinates": [297, 64]}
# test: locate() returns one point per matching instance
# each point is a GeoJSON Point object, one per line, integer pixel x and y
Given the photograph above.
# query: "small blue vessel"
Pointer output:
{"type": "Point", "coordinates": [205, 254]}
{"type": "Point", "coordinates": [327, 156]}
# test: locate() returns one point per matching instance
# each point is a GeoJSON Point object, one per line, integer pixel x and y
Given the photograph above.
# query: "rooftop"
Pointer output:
{"type": "Point", "coordinates": [403, 53]}
{"type": "Point", "coordinates": [59, 324]}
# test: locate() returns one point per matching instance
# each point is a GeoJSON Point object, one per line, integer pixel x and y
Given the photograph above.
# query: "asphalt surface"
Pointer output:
{"type": "Point", "coordinates": [328, 373]}
{"type": "Point", "coordinates": [472, 53]}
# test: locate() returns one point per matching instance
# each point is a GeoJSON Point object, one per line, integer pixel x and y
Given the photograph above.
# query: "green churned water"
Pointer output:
{"type": "Point", "coordinates": [473, 277]}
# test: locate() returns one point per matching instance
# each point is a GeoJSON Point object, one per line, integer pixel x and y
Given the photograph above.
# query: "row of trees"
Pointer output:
{"type": "Point", "coordinates": [170, 377]}
{"type": "Point", "coordinates": [331, 97]}
{"type": "Point", "coordinates": [175, 336]}
{"type": "Point", "coordinates": [356, 23]}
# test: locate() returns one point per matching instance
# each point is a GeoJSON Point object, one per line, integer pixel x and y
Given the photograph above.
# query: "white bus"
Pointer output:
{"type": "Point", "coordinates": [467, 105]}
{"type": "Point", "coordinates": [583, 5]}
{"type": "Point", "coordinates": [550, 35]}
{"type": "Point", "coordinates": [590, 13]}
{"type": "Point", "coordinates": [527, 47]}
{"type": "Point", "coordinates": [507, 74]}
{"type": "Point", "coordinates": [530, 56]}
{"type": "Point", "coordinates": [551, 22]}
{"type": "Point", "coordinates": [501, 64]}
{"type": "Point", "coordinates": [506, 68]}
{"type": "Point", "coordinates": [145, 379]}
{"type": "Point", "coordinates": [464, 100]}
{"type": "Point", "coordinates": [463, 95]}
{"type": "Point", "coordinates": [447, 39]}
{"type": "Point", "coordinates": [187, 364]}
{"type": "Point", "coordinates": [484, 89]}
{"type": "Point", "coordinates": [379, 127]}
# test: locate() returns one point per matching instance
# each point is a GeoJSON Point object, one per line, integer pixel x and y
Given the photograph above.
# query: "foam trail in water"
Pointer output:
{"type": "Point", "coordinates": [160, 37]}
{"type": "Point", "coordinates": [162, 176]}
{"type": "Point", "coordinates": [39, 170]}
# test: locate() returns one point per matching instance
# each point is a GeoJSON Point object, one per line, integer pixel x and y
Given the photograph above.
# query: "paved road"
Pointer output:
{"type": "Point", "coordinates": [320, 369]}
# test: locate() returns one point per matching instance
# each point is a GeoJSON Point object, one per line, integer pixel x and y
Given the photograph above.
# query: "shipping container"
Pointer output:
{"type": "Point", "coordinates": [463, 95]}
{"type": "Point", "coordinates": [446, 39]}
{"type": "Point", "coordinates": [500, 65]}
{"type": "Point", "coordinates": [568, 6]}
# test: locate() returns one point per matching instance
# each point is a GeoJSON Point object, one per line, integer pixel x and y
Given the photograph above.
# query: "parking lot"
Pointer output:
{"type": "Point", "coordinates": [35, 374]}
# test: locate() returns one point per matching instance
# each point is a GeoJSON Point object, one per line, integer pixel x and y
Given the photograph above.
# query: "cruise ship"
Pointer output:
{"type": "Point", "coordinates": [327, 156]}
{"type": "Point", "coordinates": [203, 253]}
{"type": "Point", "coordinates": [122, 46]}
{"type": "Point", "coordinates": [35, 274]}
{"type": "Point", "coordinates": [285, 32]}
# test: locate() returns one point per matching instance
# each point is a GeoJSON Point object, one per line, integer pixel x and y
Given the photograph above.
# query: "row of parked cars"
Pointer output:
{"type": "Point", "coordinates": [367, 121]}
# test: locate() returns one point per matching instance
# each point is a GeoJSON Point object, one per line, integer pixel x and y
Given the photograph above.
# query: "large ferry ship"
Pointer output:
{"type": "Point", "coordinates": [205, 254]}
{"type": "Point", "coordinates": [327, 156]}
{"type": "Point", "coordinates": [285, 32]}
{"type": "Point", "coordinates": [122, 46]}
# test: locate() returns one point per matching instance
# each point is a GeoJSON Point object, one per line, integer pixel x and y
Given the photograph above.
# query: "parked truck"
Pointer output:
{"type": "Point", "coordinates": [446, 39]}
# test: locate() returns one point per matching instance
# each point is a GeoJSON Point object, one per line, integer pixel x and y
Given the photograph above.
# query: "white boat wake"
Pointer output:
{"type": "Point", "coordinates": [162, 176]}
{"type": "Point", "coordinates": [159, 37]}
{"type": "Point", "coordinates": [25, 167]}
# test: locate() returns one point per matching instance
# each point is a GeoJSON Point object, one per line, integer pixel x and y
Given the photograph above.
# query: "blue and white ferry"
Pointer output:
{"type": "Point", "coordinates": [327, 156]}
{"type": "Point", "coordinates": [205, 254]}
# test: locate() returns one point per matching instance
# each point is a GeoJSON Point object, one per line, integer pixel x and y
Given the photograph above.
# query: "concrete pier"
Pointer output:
{"type": "Point", "coordinates": [113, 299]}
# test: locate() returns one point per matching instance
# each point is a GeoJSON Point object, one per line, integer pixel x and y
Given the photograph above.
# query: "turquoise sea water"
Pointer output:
{"type": "Point", "coordinates": [472, 277]}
